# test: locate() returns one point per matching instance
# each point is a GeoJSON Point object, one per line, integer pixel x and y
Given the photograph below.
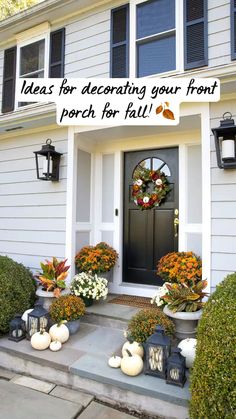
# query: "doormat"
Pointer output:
{"type": "Point", "coordinates": [133, 301]}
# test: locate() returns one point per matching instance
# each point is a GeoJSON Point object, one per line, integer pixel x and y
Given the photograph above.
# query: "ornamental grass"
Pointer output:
{"type": "Point", "coordinates": [143, 324]}
{"type": "Point", "coordinates": [180, 267]}
{"type": "Point", "coordinates": [68, 307]}
{"type": "Point", "coordinates": [96, 259]}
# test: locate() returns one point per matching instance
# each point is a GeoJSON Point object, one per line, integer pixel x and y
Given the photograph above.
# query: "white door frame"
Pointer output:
{"type": "Point", "coordinates": [205, 228]}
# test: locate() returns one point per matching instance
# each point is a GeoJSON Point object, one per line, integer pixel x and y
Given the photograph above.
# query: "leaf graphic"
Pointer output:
{"type": "Point", "coordinates": [159, 109]}
{"type": "Point", "coordinates": [167, 104]}
{"type": "Point", "coordinates": [168, 114]}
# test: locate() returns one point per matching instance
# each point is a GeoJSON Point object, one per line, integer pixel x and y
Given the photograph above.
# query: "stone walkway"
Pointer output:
{"type": "Point", "coordinates": [24, 397]}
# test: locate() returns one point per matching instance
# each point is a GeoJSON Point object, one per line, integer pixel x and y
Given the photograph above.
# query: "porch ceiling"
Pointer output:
{"type": "Point", "coordinates": [104, 134]}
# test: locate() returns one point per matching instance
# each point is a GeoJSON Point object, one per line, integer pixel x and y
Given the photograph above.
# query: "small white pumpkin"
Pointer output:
{"type": "Point", "coordinates": [59, 332]}
{"type": "Point", "coordinates": [55, 345]}
{"type": "Point", "coordinates": [25, 314]}
{"type": "Point", "coordinates": [132, 364]}
{"type": "Point", "coordinates": [188, 350]}
{"type": "Point", "coordinates": [114, 361]}
{"type": "Point", "coordinates": [40, 340]}
{"type": "Point", "coordinates": [134, 347]}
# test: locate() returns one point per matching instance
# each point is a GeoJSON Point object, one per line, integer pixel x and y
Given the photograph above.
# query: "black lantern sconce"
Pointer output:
{"type": "Point", "coordinates": [176, 367]}
{"type": "Point", "coordinates": [157, 350]}
{"type": "Point", "coordinates": [225, 139]}
{"type": "Point", "coordinates": [47, 162]}
{"type": "Point", "coordinates": [38, 319]}
{"type": "Point", "coordinates": [17, 330]}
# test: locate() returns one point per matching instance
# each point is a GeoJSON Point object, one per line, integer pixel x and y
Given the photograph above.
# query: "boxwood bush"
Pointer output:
{"type": "Point", "coordinates": [213, 379]}
{"type": "Point", "coordinates": [17, 290]}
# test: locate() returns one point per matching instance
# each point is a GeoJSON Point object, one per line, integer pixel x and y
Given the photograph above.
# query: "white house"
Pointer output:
{"type": "Point", "coordinates": [91, 202]}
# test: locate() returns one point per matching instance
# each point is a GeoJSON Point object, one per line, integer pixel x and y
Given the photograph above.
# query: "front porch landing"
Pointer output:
{"type": "Point", "coordinates": [82, 364]}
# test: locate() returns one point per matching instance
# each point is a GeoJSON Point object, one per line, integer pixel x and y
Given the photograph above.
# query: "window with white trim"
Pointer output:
{"type": "Point", "coordinates": [155, 37]}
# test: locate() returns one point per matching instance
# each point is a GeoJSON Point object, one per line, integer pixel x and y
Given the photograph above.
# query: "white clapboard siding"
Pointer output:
{"type": "Point", "coordinates": [52, 211]}
{"type": "Point", "coordinates": [223, 227]}
{"type": "Point", "coordinates": [87, 49]}
{"type": "Point", "coordinates": [30, 236]}
{"type": "Point", "coordinates": [43, 199]}
{"type": "Point", "coordinates": [32, 212]}
{"type": "Point", "coordinates": [25, 176]}
{"type": "Point", "coordinates": [219, 47]}
{"type": "Point", "coordinates": [30, 261]}
{"type": "Point", "coordinates": [223, 207]}
{"type": "Point", "coordinates": [217, 277]}
{"type": "Point", "coordinates": [224, 244]}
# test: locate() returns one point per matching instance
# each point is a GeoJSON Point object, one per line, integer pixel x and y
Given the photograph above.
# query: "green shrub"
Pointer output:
{"type": "Point", "coordinates": [142, 325]}
{"type": "Point", "coordinates": [213, 380]}
{"type": "Point", "coordinates": [17, 290]}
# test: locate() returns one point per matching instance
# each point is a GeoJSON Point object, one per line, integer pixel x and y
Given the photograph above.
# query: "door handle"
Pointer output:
{"type": "Point", "coordinates": [176, 224]}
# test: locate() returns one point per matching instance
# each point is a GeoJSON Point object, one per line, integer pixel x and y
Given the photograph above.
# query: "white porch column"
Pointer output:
{"type": "Point", "coordinates": [70, 207]}
{"type": "Point", "coordinates": [206, 193]}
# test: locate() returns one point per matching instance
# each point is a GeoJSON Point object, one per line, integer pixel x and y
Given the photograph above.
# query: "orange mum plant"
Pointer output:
{"type": "Point", "coordinates": [96, 259]}
{"type": "Point", "coordinates": [68, 307]}
{"type": "Point", "coordinates": [53, 275]}
{"type": "Point", "coordinates": [180, 267]}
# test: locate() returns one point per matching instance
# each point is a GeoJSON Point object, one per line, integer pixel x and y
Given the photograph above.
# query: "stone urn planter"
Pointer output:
{"type": "Point", "coordinates": [73, 326]}
{"type": "Point", "coordinates": [185, 323]}
{"type": "Point", "coordinates": [46, 297]}
{"type": "Point", "coordinates": [108, 275]}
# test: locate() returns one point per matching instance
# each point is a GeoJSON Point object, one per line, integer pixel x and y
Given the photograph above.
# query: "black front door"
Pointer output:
{"type": "Point", "coordinates": [149, 234]}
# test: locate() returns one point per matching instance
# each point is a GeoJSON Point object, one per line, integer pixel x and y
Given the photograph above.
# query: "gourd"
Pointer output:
{"type": "Point", "coordinates": [40, 340]}
{"type": "Point", "coordinates": [132, 364]}
{"type": "Point", "coordinates": [55, 345]}
{"type": "Point", "coordinates": [188, 350]}
{"type": "Point", "coordinates": [114, 361]}
{"type": "Point", "coordinates": [25, 314]}
{"type": "Point", "coordinates": [59, 332]}
{"type": "Point", "coordinates": [134, 347]}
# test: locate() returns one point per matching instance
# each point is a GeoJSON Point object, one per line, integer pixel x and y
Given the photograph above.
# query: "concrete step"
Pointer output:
{"type": "Point", "coordinates": [106, 314]}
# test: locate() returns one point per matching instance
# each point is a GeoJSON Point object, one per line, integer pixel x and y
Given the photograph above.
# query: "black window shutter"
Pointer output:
{"type": "Point", "coordinates": [233, 29]}
{"type": "Point", "coordinates": [9, 78]}
{"type": "Point", "coordinates": [119, 58]}
{"type": "Point", "coordinates": [57, 54]}
{"type": "Point", "coordinates": [196, 33]}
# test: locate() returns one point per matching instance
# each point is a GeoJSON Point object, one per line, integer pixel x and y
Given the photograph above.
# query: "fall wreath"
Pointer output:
{"type": "Point", "coordinates": [153, 180]}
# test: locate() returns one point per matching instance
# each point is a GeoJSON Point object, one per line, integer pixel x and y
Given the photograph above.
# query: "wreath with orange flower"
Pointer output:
{"type": "Point", "coordinates": [143, 181]}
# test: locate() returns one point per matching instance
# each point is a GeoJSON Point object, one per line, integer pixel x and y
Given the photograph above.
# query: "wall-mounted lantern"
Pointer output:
{"type": "Point", "coordinates": [225, 139]}
{"type": "Point", "coordinates": [47, 162]}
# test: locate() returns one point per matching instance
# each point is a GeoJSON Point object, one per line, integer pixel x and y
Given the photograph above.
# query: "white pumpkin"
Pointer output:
{"type": "Point", "coordinates": [131, 365]}
{"type": "Point", "coordinates": [25, 314]}
{"type": "Point", "coordinates": [114, 361]}
{"type": "Point", "coordinates": [40, 340]}
{"type": "Point", "coordinates": [134, 347]}
{"type": "Point", "coordinates": [55, 345]}
{"type": "Point", "coordinates": [59, 332]}
{"type": "Point", "coordinates": [188, 350]}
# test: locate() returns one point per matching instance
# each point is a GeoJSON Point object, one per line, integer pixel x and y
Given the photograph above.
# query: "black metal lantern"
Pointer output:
{"type": "Point", "coordinates": [225, 139]}
{"type": "Point", "coordinates": [47, 162]}
{"type": "Point", "coordinates": [38, 319]}
{"type": "Point", "coordinates": [176, 367]}
{"type": "Point", "coordinates": [157, 350]}
{"type": "Point", "coordinates": [17, 330]}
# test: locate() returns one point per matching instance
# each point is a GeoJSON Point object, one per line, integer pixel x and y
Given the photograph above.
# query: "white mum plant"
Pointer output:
{"type": "Point", "coordinates": [87, 285]}
{"type": "Point", "coordinates": [157, 298]}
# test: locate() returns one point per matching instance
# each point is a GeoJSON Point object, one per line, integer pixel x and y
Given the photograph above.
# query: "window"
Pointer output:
{"type": "Point", "coordinates": [32, 60]}
{"type": "Point", "coordinates": [38, 54]}
{"type": "Point", "coordinates": [164, 36]}
{"type": "Point", "coordinates": [233, 29]}
{"type": "Point", "coordinates": [155, 43]}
